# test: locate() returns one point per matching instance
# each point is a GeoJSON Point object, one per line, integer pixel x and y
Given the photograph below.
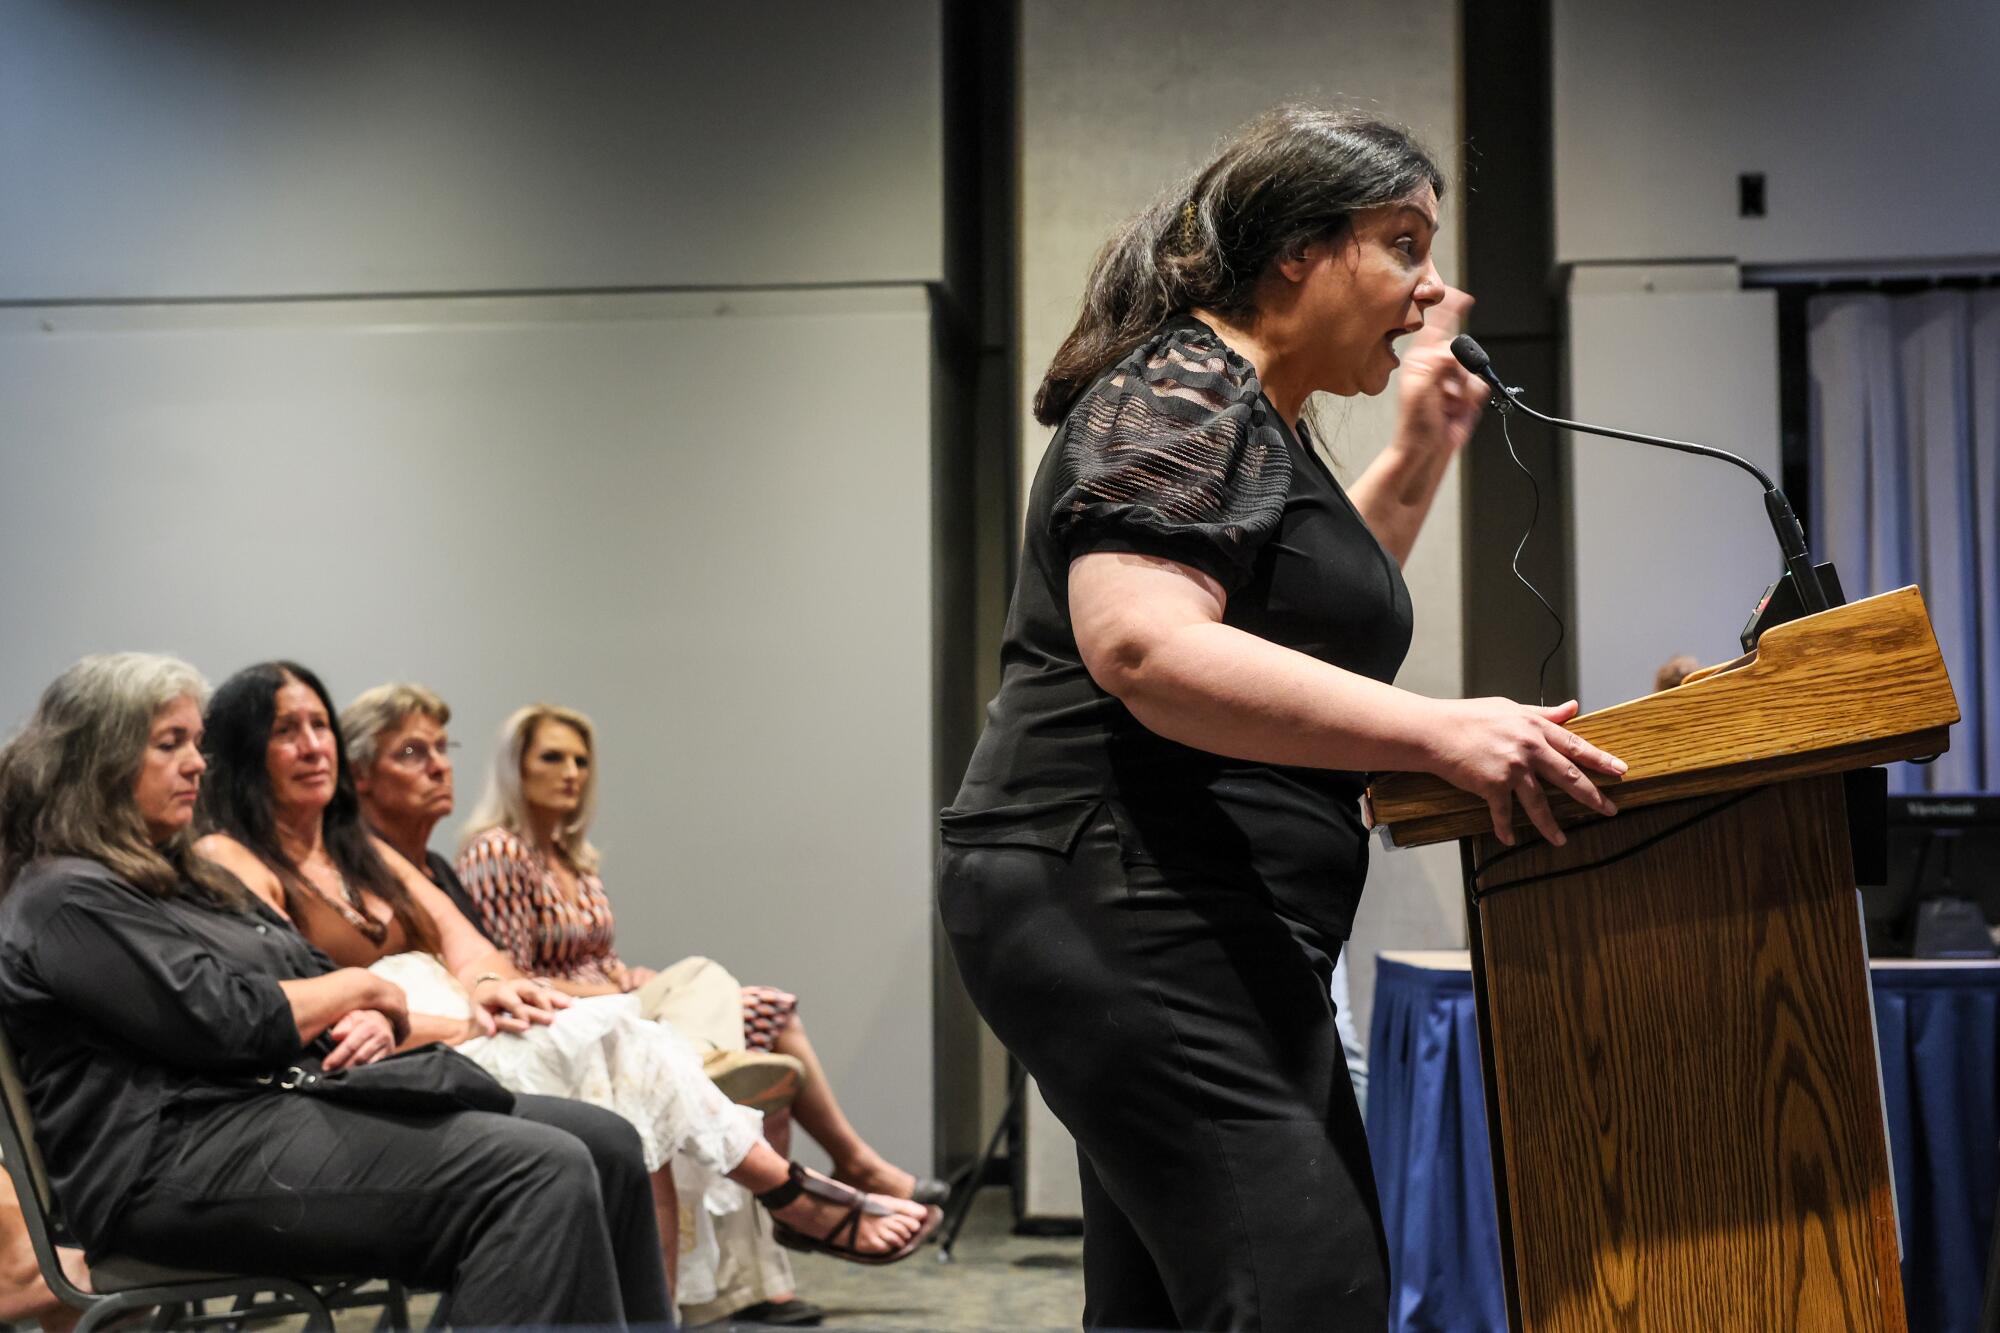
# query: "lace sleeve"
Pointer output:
{"type": "Point", "coordinates": [1174, 453]}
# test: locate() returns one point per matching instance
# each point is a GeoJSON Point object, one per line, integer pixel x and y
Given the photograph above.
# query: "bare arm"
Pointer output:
{"type": "Point", "coordinates": [320, 1003]}
{"type": "Point", "coordinates": [317, 1001]}
{"type": "Point", "coordinates": [513, 999]}
{"type": "Point", "coordinates": [466, 953]}
{"type": "Point", "coordinates": [243, 863]}
{"type": "Point", "coordinates": [1438, 405]}
{"type": "Point", "coordinates": [1150, 631]}
{"type": "Point", "coordinates": [428, 1028]}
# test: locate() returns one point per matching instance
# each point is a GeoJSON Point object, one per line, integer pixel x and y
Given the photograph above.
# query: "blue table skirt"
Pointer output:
{"type": "Point", "coordinates": [1939, 1027]}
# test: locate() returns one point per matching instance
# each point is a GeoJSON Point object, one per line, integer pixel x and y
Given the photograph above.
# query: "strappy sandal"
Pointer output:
{"type": "Point", "coordinates": [839, 1241]}
{"type": "Point", "coordinates": [926, 1190]}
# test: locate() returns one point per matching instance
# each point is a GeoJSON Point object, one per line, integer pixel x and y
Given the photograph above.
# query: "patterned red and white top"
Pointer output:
{"type": "Point", "coordinates": [524, 911]}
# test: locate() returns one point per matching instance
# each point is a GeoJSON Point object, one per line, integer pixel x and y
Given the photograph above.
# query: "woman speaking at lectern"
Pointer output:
{"type": "Point", "coordinates": [1156, 854]}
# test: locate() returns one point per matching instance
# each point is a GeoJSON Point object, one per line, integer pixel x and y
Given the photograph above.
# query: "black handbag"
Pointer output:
{"type": "Point", "coordinates": [426, 1080]}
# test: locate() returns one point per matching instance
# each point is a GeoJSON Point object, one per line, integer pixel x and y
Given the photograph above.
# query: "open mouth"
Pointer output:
{"type": "Point", "coordinates": [1389, 338]}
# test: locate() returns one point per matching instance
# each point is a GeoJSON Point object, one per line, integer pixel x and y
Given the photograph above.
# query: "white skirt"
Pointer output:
{"type": "Point", "coordinates": [600, 1050]}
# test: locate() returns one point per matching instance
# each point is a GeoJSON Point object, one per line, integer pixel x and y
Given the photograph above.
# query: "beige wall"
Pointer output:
{"type": "Point", "coordinates": [1691, 532]}
{"type": "Point", "coordinates": [555, 498]}
{"type": "Point", "coordinates": [1117, 99]}
{"type": "Point", "coordinates": [1873, 124]}
{"type": "Point", "coordinates": [637, 502]}
{"type": "Point", "coordinates": [242, 149]}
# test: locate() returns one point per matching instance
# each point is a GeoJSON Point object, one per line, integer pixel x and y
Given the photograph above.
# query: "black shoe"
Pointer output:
{"type": "Point", "coordinates": [794, 1313]}
{"type": "Point", "coordinates": [931, 1191]}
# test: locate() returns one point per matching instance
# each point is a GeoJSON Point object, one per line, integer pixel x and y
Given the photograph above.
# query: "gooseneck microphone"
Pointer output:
{"type": "Point", "coordinates": [1799, 568]}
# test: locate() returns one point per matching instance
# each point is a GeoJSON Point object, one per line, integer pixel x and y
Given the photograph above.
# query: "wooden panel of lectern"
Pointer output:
{"type": "Point", "coordinates": [1682, 1087]}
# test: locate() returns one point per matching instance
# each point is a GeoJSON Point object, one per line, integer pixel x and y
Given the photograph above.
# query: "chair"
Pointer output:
{"type": "Point", "coordinates": [124, 1284]}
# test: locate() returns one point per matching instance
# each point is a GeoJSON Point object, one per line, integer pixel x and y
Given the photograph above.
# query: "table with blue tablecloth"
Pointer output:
{"type": "Point", "coordinates": [1938, 1025]}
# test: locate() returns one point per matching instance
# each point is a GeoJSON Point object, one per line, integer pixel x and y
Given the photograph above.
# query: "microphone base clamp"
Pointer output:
{"type": "Point", "coordinates": [1782, 601]}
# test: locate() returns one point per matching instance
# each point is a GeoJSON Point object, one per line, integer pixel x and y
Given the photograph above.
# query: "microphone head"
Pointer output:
{"type": "Point", "coordinates": [1470, 354]}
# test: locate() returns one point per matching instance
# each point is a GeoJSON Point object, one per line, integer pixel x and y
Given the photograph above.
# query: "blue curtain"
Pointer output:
{"type": "Point", "coordinates": [1939, 1030]}
{"type": "Point", "coordinates": [1938, 1025]}
{"type": "Point", "coordinates": [1433, 1169]}
{"type": "Point", "coordinates": [1905, 460]}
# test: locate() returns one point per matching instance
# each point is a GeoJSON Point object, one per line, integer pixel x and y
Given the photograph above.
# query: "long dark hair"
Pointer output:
{"type": "Point", "coordinates": [66, 780]}
{"type": "Point", "coordinates": [236, 798]}
{"type": "Point", "coordinates": [1295, 175]}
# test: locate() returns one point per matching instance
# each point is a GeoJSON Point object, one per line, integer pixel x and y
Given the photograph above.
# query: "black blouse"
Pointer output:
{"type": "Point", "coordinates": [442, 875]}
{"type": "Point", "coordinates": [1175, 452]}
{"type": "Point", "coordinates": [123, 1006]}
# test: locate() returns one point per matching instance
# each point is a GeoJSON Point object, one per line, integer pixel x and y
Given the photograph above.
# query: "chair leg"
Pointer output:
{"type": "Point", "coordinates": [319, 1319]}
{"type": "Point", "coordinates": [395, 1309]}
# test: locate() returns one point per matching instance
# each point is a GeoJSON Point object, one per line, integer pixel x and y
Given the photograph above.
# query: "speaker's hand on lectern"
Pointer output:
{"type": "Point", "coordinates": [1503, 752]}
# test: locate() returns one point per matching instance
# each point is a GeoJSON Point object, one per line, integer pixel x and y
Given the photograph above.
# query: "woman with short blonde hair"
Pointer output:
{"type": "Point", "coordinates": [369, 718]}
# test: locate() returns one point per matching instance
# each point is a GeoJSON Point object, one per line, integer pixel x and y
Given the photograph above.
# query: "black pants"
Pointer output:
{"type": "Point", "coordinates": [544, 1217]}
{"type": "Point", "coordinates": [1186, 1038]}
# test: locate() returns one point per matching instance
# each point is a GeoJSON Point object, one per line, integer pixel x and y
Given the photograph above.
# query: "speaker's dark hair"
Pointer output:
{"type": "Point", "coordinates": [1295, 175]}
{"type": "Point", "coordinates": [236, 796]}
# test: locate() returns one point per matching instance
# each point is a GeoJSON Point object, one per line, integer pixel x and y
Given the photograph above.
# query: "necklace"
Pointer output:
{"type": "Point", "coordinates": [349, 905]}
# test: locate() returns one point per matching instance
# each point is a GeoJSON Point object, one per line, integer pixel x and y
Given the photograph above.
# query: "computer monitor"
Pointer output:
{"type": "Point", "coordinates": [1939, 846]}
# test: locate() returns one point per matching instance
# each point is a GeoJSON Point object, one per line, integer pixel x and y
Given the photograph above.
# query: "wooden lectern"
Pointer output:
{"type": "Point", "coordinates": [1682, 1086]}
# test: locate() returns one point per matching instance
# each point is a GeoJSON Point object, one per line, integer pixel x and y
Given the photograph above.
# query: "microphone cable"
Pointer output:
{"type": "Point", "coordinates": [1534, 516]}
{"type": "Point", "coordinates": [1481, 892]}
{"type": "Point", "coordinates": [1807, 592]}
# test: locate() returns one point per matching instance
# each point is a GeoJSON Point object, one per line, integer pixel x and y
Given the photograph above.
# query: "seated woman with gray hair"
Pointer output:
{"type": "Point", "coordinates": [286, 820]}
{"type": "Point", "coordinates": [145, 993]}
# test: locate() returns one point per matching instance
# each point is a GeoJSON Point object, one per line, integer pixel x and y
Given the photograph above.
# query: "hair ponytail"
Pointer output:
{"type": "Point", "coordinates": [1294, 175]}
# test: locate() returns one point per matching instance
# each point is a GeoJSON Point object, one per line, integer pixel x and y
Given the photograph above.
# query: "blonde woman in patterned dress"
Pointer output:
{"type": "Point", "coordinates": [528, 866]}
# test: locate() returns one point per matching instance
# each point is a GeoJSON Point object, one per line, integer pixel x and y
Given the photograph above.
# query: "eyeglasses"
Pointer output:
{"type": "Point", "coordinates": [418, 754]}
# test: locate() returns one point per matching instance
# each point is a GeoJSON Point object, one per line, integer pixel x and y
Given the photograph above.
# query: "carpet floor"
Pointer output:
{"type": "Point", "coordinates": [995, 1282]}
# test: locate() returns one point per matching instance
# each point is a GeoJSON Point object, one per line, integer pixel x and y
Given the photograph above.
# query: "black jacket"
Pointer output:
{"type": "Point", "coordinates": [124, 1007]}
